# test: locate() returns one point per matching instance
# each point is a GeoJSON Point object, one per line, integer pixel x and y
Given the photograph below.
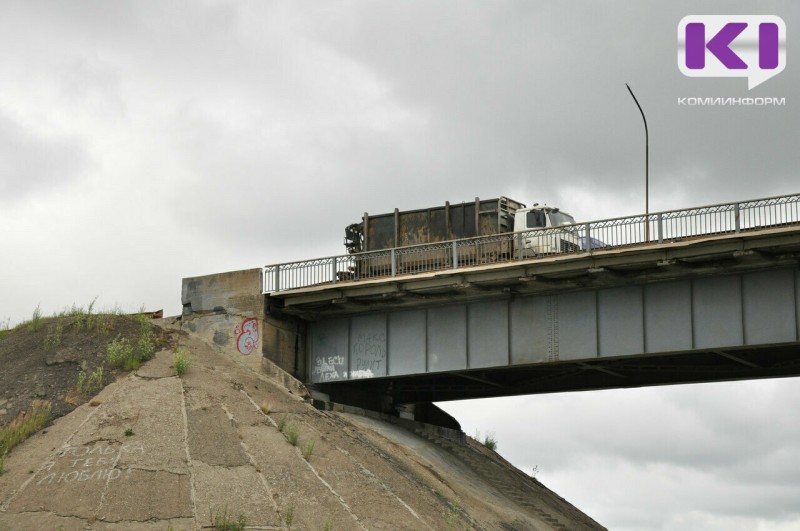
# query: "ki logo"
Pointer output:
{"type": "Point", "coordinates": [751, 46]}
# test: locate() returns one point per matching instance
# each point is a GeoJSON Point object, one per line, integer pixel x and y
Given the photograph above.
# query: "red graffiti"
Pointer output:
{"type": "Point", "coordinates": [247, 336]}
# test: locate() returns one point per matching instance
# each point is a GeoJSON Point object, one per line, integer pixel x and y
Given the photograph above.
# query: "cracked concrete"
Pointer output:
{"type": "Point", "coordinates": [159, 452]}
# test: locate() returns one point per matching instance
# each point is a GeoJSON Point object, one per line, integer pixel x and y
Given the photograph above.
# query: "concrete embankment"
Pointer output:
{"type": "Point", "coordinates": [154, 451]}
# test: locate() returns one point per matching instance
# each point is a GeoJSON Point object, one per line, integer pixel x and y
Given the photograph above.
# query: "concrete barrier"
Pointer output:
{"type": "Point", "coordinates": [227, 309]}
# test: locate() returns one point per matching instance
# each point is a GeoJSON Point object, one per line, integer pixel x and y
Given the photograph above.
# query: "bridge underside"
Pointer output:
{"type": "Point", "coordinates": [774, 361]}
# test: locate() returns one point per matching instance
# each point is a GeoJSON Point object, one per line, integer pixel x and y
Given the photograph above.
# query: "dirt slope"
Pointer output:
{"type": "Point", "coordinates": [153, 451]}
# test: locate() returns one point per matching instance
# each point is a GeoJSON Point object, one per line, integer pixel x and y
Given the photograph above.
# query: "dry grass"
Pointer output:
{"type": "Point", "coordinates": [26, 424]}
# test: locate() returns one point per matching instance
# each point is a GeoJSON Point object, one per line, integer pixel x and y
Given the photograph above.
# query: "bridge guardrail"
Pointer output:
{"type": "Point", "coordinates": [594, 236]}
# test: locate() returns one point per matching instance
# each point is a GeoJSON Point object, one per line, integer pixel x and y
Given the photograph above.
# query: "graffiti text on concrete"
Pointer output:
{"type": "Point", "coordinates": [247, 336]}
{"type": "Point", "coordinates": [86, 463]}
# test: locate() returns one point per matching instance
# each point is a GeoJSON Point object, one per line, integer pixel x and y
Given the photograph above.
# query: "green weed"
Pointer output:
{"type": "Point", "coordinates": [119, 352]}
{"type": "Point", "coordinates": [53, 339]}
{"type": "Point", "coordinates": [223, 522]}
{"type": "Point", "coordinates": [105, 322]}
{"type": "Point", "coordinates": [489, 440]}
{"type": "Point", "coordinates": [5, 327]}
{"type": "Point", "coordinates": [282, 423]}
{"type": "Point", "coordinates": [292, 435]}
{"type": "Point", "coordinates": [289, 519]}
{"type": "Point", "coordinates": [182, 361]}
{"type": "Point", "coordinates": [3, 462]}
{"type": "Point", "coordinates": [451, 514]}
{"type": "Point", "coordinates": [90, 385]}
{"type": "Point", "coordinates": [129, 432]}
{"type": "Point", "coordinates": [145, 345]}
{"type": "Point", "coordinates": [24, 425]}
{"type": "Point", "coordinates": [35, 324]}
{"type": "Point", "coordinates": [308, 450]}
{"type": "Point", "coordinates": [122, 354]}
{"type": "Point", "coordinates": [328, 523]}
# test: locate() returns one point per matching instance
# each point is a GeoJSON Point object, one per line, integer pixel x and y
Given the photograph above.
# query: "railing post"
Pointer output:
{"type": "Point", "coordinates": [277, 278]}
{"type": "Point", "coordinates": [333, 269]}
{"type": "Point", "coordinates": [455, 255]}
{"type": "Point", "coordinates": [588, 237]}
{"type": "Point", "coordinates": [736, 217]}
{"type": "Point", "coordinates": [394, 263]}
{"type": "Point", "coordinates": [660, 228]}
{"type": "Point", "coordinates": [520, 246]}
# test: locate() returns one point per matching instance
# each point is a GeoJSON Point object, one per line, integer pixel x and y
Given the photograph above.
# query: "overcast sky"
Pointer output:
{"type": "Point", "coordinates": [143, 142]}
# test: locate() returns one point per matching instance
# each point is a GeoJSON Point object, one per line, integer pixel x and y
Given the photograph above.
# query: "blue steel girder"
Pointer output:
{"type": "Point", "coordinates": [719, 309]}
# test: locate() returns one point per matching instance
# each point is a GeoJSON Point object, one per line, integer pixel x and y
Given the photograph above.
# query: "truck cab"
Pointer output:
{"type": "Point", "coordinates": [540, 232]}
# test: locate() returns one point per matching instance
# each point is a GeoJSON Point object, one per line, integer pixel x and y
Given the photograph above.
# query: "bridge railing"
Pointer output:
{"type": "Point", "coordinates": [581, 238]}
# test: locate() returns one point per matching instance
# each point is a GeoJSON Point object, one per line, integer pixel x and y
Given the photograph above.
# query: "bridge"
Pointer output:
{"type": "Point", "coordinates": [696, 295]}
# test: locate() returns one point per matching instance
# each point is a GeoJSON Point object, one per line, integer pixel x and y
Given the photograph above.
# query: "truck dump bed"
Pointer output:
{"type": "Point", "coordinates": [429, 225]}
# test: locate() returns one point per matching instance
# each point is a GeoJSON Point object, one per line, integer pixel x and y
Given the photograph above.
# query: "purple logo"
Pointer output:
{"type": "Point", "coordinates": [751, 46]}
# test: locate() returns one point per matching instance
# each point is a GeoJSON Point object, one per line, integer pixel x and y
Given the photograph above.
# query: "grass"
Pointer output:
{"type": "Point", "coordinates": [282, 423]}
{"type": "Point", "coordinates": [3, 462]}
{"type": "Point", "coordinates": [223, 522]}
{"type": "Point", "coordinates": [124, 355]}
{"type": "Point", "coordinates": [328, 523]}
{"type": "Point", "coordinates": [53, 339]}
{"type": "Point", "coordinates": [129, 432]}
{"type": "Point", "coordinates": [76, 318]}
{"type": "Point", "coordinates": [292, 435]}
{"type": "Point", "coordinates": [83, 318]}
{"type": "Point", "coordinates": [266, 407]}
{"type": "Point", "coordinates": [451, 514]}
{"type": "Point", "coordinates": [308, 450]}
{"type": "Point", "coordinates": [489, 440]}
{"type": "Point", "coordinates": [289, 519]}
{"type": "Point", "coordinates": [181, 361]}
{"type": "Point", "coordinates": [35, 324]}
{"type": "Point", "coordinates": [90, 385]}
{"type": "Point", "coordinates": [25, 425]}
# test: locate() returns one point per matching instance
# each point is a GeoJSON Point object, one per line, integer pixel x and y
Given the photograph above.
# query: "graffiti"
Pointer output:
{"type": "Point", "coordinates": [369, 355]}
{"type": "Point", "coordinates": [86, 463]}
{"type": "Point", "coordinates": [247, 336]}
{"type": "Point", "coordinates": [328, 368]}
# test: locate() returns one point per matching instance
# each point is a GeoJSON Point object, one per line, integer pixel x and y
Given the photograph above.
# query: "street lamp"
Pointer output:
{"type": "Point", "coordinates": [646, 170]}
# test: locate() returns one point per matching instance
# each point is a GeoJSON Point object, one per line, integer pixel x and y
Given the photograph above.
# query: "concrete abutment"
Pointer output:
{"type": "Point", "coordinates": [229, 310]}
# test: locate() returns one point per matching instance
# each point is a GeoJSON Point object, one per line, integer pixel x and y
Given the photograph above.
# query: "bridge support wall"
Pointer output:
{"type": "Point", "coordinates": [226, 309]}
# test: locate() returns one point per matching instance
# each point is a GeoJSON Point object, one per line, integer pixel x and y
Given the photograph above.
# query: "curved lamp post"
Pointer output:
{"type": "Point", "coordinates": [646, 170]}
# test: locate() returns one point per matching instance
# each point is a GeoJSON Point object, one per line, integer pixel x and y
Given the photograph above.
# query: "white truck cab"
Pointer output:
{"type": "Point", "coordinates": [540, 234]}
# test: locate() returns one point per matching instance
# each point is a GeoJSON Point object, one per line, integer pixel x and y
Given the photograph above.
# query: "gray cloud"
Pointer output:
{"type": "Point", "coordinates": [198, 137]}
{"type": "Point", "coordinates": [31, 164]}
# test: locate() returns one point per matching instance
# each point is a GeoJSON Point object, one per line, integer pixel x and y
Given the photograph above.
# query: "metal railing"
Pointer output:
{"type": "Point", "coordinates": [581, 238]}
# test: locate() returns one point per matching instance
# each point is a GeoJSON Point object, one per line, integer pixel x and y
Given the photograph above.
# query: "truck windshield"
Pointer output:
{"type": "Point", "coordinates": [561, 218]}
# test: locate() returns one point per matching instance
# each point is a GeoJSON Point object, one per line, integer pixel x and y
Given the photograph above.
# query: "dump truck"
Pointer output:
{"type": "Point", "coordinates": [398, 232]}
